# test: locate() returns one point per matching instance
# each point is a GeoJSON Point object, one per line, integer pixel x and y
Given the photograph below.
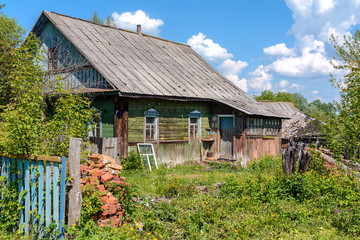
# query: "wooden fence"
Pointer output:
{"type": "Point", "coordinates": [41, 186]}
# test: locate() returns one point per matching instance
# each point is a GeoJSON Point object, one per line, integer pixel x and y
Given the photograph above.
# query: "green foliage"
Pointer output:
{"type": "Point", "coordinates": [91, 203]}
{"type": "Point", "coordinates": [96, 18]}
{"type": "Point", "coordinates": [26, 127]}
{"type": "Point", "coordinates": [109, 21]}
{"type": "Point", "coordinates": [9, 214]}
{"type": "Point", "coordinates": [314, 108]}
{"type": "Point", "coordinates": [342, 131]}
{"type": "Point", "coordinates": [126, 195]}
{"type": "Point", "coordinates": [132, 162]}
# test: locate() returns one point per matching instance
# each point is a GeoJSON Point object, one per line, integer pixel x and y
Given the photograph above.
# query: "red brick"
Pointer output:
{"type": "Point", "coordinates": [118, 206]}
{"type": "Point", "coordinates": [106, 177]}
{"type": "Point", "coordinates": [103, 199]}
{"type": "Point", "coordinates": [112, 209]}
{"type": "Point", "coordinates": [84, 180]}
{"type": "Point", "coordinates": [84, 170]}
{"type": "Point", "coordinates": [120, 214]}
{"type": "Point", "coordinates": [94, 180]}
{"type": "Point", "coordinates": [101, 188]}
{"type": "Point", "coordinates": [102, 217]}
{"type": "Point", "coordinates": [97, 172]}
{"type": "Point", "coordinates": [110, 194]}
{"type": "Point", "coordinates": [82, 185]}
{"type": "Point", "coordinates": [106, 213]}
{"type": "Point", "coordinates": [105, 207]}
{"type": "Point", "coordinates": [105, 222]}
{"type": "Point", "coordinates": [112, 200]}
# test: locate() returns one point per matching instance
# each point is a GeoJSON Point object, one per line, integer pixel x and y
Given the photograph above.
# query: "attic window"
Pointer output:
{"type": "Point", "coordinates": [53, 59]}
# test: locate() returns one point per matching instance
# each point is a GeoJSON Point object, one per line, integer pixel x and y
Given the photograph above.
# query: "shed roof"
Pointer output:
{"type": "Point", "coordinates": [140, 64]}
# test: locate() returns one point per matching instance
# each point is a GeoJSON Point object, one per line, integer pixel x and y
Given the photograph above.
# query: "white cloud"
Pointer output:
{"type": "Point", "coordinates": [283, 83]}
{"type": "Point", "coordinates": [129, 20]}
{"type": "Point", "coordinates": [312, 62]}
{"type": "Point", "coordinates": [260, 79]}
{"type": "Point", "coordinates": [242, 84]}
{"type": "Point", "coordinates": [315, 92]}
{"type": "Point", "coordinates": [297, 86]}
{"type": "Point", "coordinates": [230, 67]}
{"type": "Point", "coordinates": [207, 48]}
{"type": "Point", "coordinates": [279, 49]}
{"type": "Point", "coordinates": [320, 18]}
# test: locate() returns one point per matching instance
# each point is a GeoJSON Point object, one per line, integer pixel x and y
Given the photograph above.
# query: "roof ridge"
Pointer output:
{"type": "Point", "coordinates": [121, 29]}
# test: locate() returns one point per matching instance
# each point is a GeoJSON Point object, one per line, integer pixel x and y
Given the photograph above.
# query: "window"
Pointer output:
{"type": "Point", "coordinates": [272, 126]}
{"type": "Point", "coordinates": [151, 125]}
{"type": "Point", "coordinates": [96, 125]}
{"type": "Point", "coordinates": [53, 59]}
{"type": "Point", "coordinates": [254, 126]}
{"type": "Point", "coordinates": [195, 125]}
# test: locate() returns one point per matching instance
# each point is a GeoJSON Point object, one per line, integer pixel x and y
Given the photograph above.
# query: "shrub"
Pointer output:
{"type": "Point", "coordinates": [132, 162]}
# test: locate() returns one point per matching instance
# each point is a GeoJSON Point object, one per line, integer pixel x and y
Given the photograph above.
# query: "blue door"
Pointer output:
{"type": "Point", "coordinates": [226, 136]}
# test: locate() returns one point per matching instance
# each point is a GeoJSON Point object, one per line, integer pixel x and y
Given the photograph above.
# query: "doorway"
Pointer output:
{"type": "Point", "coordinates": [226, 136]}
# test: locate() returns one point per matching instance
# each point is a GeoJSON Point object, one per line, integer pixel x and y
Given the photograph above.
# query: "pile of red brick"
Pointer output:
{"type": "Point", "coordinates": [112, 212]}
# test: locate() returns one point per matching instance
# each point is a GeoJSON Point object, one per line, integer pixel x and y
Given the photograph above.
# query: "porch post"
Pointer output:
{"type": "Point", "coordinates": [121, 105]}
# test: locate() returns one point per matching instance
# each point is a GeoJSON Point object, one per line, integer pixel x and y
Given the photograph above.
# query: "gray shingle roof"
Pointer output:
{"type": "Point", "coordinates": [145, 65]}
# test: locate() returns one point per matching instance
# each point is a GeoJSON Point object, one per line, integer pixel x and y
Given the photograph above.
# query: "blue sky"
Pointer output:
{"type": "Point", "coordinates": [278, 45]}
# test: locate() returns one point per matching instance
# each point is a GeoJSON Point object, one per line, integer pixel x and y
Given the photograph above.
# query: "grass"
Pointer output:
{"type": "Point", "coordinates": [259, 202]}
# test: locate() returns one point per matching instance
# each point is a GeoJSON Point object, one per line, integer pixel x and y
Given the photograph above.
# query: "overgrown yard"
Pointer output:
{"type": "Point", "coordinates": [259, 202]}
{"type": "Point", "coordinates": [221, 201]}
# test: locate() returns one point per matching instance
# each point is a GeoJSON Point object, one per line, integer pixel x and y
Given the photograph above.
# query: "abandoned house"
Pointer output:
{"type": "Point", "coordinates": [152, 90]}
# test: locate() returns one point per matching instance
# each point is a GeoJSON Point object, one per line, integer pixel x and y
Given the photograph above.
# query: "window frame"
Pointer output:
{"type": "Point", "coordinates": [151, 113]}
{"type": "Point", "coordinates": [255, 128]}
{"type": "Point", "coordinates": [272, 126]}
{"type": "Point", "coordinates": [194, 115]}
{"type": "Point", "coordinates": [92, 132]}
{"type": "Point", "coordinates": [53, 55]}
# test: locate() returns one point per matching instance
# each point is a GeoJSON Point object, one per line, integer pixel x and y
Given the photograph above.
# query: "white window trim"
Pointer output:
{"type": "Point", "coordinates": [156, 133]}
{"type": "Point", "coordinates": [199, 129]}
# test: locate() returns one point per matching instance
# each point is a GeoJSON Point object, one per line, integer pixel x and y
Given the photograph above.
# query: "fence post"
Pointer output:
{"type": "Point", "coordinates": [75, 199]}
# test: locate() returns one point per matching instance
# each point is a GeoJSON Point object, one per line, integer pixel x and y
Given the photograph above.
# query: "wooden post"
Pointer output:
{"type": "Point", "coordinates": [75, 199]}
{"type": "Point", "coordinates": [121, 105]}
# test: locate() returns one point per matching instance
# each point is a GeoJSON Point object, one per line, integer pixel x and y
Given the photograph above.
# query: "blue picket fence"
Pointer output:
{"type": "Point", "coordinates": [42, 183]}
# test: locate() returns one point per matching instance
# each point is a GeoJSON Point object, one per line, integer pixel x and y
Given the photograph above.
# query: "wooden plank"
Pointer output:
{"type": "Point", "coordinates": [56, 201]}
{"type": "Point", "coordinates": [48, 195]}
{"type": "Point", "coordinates": [62, 197]}
{"type": "Point", "coordinates": [8, 168]}
{"type": "Point", "coordinates": [75, 200]}
{"type": "Point", "coordinates": [20, 189]}
{"type": "Point", "coordinates": [3, 166]}
{"type": "Point", "coordinates": [27, 196]}
{"type": "Point", "coordinates": [41, 198]}
{"type": "Point", "coordinates": [13, 169]}
{"type": "Point", "coordinates": [29, 157]}
{"type": "Point", "coordinates": [33, 194]}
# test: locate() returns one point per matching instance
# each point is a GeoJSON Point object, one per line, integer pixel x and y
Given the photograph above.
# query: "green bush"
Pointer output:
{"type": "Point", "coordinates": [132, 162]}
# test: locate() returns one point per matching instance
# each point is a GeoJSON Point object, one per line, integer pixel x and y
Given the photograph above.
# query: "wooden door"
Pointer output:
{"type": "Point", "coordinates": [226, 136]}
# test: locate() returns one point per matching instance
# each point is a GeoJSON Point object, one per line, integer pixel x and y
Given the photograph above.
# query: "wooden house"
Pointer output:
{"type": "Point", "coordinates": [149, 89]}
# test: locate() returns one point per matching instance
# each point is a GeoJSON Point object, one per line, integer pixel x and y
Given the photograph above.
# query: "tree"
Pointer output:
{"type": "Point", "coordinates": [343, 130]}
{"type": "Point", "coordinates": [26, 127]}
{"type": "Point", "coordinates": [109, 21]}
{"type": "Point", "coordinates": [96, 18]}
{"type": "Point", "coordinates": [266, 95]}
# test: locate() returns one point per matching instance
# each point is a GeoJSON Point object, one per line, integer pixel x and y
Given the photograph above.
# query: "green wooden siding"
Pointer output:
{"type": "Point", "coordinates": [106, 105]}
{"type": "Point", "coordinates": [173, 118]}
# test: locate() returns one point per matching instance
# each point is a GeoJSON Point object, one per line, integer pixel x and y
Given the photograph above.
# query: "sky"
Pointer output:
{"type": "Point", "coordinates": [278, 45]}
